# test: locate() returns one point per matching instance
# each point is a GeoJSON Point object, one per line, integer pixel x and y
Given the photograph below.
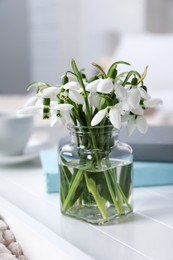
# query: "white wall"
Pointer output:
{"type": "Point", "coordinates": [54, 37]}
{"type": "Point", "coordinates": [39, 38]}
{"type": "Point", "coordinates": [14, 49]}
{"type": "Point", "coordinates": [84, 30]}
{"type": "Point", "coordinates": [102, 21]}
{"type": "Point", "coordinates": [44, 39]}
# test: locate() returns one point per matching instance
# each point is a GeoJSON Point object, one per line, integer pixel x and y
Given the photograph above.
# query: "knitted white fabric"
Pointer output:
{"type": "Point", "coordinates": [9, 248]}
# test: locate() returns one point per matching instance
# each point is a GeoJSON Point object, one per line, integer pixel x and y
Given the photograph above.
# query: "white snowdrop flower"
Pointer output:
{"type": "Point", "coordinates": [129, 99]}
{"type": "Point", "coordinates": [50, 92]}
{"type": "Point", "coordinates": [92, 86]}
{"type": "Point", "coordinates": [105, 86]}
{"type": "Point", "coordinates": [60, 113]}
{"type": "Point", "coordinates": [114, 117]}
{"type": "Point", "coordinates": [60, 118]}
{"type": "Point", "coordinates": [72, 85]}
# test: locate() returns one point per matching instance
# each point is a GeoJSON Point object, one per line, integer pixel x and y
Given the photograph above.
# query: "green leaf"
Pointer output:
{"type": "Point", "coordinates": [99, 68]}
{"type": "Point", "coordinates": [130, 73]}
{"type": "Point", "coordinates": [72, 189]}
{"type": "Point", "coordinates": [101, 202]}
{"type": "Point", "coordinates": [115, 64]}
{"type": "Point", "coordinates": [112, 186]}
{"type": "Point", "coordinates": [143, 75]}
{"type": "Point", "coordinates": [37, 84]}
{"type": "Point", "coordinates": [125, 179]}
{"type": "Point", "coordinates": [64, 183]}
{"type": "Point", "coordinates": [74, 67]}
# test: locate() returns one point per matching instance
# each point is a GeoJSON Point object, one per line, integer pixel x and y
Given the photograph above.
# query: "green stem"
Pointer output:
{"type": "Point", "coordinates": [79, 77]}
{"type": "Point", "coordinates": [72, 189]}
{"type": "Point", "coordinates": [117, 206]}
{"type": "Point", "coordinates": [124, 198]}
{"type": "Point", "coordinates": [120, 194]}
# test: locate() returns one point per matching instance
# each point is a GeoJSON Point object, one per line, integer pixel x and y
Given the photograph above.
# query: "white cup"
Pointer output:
{"type": "Point", "coordinates": [15, 132]}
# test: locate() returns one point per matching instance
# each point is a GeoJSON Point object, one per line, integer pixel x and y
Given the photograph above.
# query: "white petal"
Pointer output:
{"type": "Point", "coordinates": [31, 101]}
{"type": "Point", "coordinates": [138, 111]}
{"type": "Point", "coordinates": [126, 117]}
{"type": "Point", "coordinates": [105, 86]}
{"type": "Point", "coordinates": [94, 99]}
{"type": "Point", "coordinates": [72, 85]}
{"type": "Point", "coordinates": [120, 92]}
{"type": "Point", "coordinates": [127, 87]}
{"type": "Point", "coordinates": [30, 110]}
{"type": "Point", "coordinates": [53, 120]}
{"type": "Point", "coordinates": [62, 107]}
{"type": "Point", "coordinates": [143, 93]}
{"type": "Point", "coordinates": [39, 102]}
{"type": "Point", "coordinates": [125, 106]}
{"type": "Point", "coordinates": [49, 92]}
{"type": "Point", "coordinates": [99, 116]}
{"type": "Point", "coordinates": [134, 97]}
{"type": "Point", "coordinates": [92, 86]}
{"type": "Point", "coordinates": [153, 102]}
{"type": "Point", "coordinates": [141, 124]}
{"type": "Point", "coordinates": [115, 118]}
{"type": "Point", "coordinates": [66, 115]}
{"type": "Point", "coordinates": [76, 97]}
{"type": "Point", "coordinates": [131, 125]}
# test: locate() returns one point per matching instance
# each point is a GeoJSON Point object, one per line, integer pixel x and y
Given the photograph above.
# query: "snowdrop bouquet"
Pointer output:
{"type": "Point", "coordinates": [106, 98]}
{"type": "Point", "coordinates": [95, 169]}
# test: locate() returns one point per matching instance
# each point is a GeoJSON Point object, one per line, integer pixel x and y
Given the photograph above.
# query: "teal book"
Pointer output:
{"type": "Point", "coordinates": [145, 173]}
{"type": "Point", "coordinates": [49, 161]}
{"type": "Point", "coordinates": [153, 173]}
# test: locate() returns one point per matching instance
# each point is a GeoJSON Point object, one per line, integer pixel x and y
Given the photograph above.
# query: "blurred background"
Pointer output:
{"type": "Point", "coordinates": [39, 38]}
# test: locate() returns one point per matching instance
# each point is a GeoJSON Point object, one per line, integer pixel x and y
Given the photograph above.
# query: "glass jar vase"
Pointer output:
{"type": "Point", "coordinates": [96, 174]}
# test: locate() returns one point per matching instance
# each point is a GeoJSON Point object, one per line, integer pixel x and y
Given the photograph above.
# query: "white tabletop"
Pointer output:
{"type": "Point", "coordinates": [146, 234]}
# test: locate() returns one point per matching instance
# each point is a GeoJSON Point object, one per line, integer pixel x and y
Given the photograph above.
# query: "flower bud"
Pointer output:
{"type": "Point", "coordinates": [112, 73]}
{"type": "Point", "coordinates": [134, 81]}
{"type": "Point", "coordinates": [93, 78]}
{"type": "Point", "coordinates": [64, 80]}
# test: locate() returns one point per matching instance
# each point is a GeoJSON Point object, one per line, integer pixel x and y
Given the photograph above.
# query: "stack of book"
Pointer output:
{"type": "Point", "coordinates": [153, 155]}
{"type": "Point", "coordinates": [153, 158]}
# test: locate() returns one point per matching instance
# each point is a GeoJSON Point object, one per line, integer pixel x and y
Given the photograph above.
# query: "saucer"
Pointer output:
{"type": "Point", "coordinates": [31, 152]}
{"type": "Point", "coordinates": [25, 157]}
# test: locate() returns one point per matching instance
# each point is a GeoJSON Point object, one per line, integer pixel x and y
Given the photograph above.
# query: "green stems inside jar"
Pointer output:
{"type": "Point", "coordinates": [93, 182]}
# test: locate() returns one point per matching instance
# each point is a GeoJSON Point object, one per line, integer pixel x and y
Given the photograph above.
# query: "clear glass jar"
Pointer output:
{"type": "Point", "coordinates": [96, 174]}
